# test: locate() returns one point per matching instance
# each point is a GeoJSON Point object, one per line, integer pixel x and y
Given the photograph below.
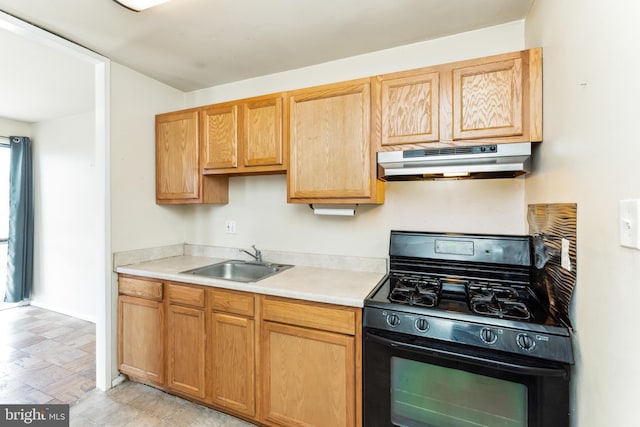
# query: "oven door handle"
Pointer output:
{"type": "Point", "coordinates": [476, 360]}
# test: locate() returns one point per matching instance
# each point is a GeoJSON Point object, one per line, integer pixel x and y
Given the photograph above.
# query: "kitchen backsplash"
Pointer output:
{"type": "Point", "coordinates": [553, 227]}
{"type": "Point", "coordinates": [337, 262]}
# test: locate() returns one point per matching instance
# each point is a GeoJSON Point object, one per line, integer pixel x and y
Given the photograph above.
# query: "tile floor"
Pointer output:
{"type": "Point", "coordinates": [45, 357]}
{"type": "Point", "coordinates": [137, 405]}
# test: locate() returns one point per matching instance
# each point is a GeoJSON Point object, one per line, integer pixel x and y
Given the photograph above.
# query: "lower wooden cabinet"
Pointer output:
{"type": "Point", "coordinates": [308, 376]}
{"type": "Point", "coordinates": [273, 361]}
{"type": "Point", "coordinates": [186, 350]}
{"type": "Point", "coordinates": [310, 363]}
{"type": "Point", "coordinates": [231, 351]}
{"type": "Point", "coordinates": [140, 339]}
{"type": "Point", "coordinates": [186, 339]}
{"type": "Point", "coordinates": [232, 355]}
{"type": "Point", "coordinates": [141, 330]}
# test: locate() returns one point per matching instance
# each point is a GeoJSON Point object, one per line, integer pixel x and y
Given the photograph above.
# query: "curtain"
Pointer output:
{"type": "Point", "coordinates": [20, 245]}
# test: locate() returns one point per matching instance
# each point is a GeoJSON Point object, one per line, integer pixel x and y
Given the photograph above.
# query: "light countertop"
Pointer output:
{"type": "Point", "coordinates": [342, 287]}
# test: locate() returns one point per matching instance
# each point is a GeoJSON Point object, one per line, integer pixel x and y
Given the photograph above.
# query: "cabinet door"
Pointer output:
{"type": "Point", "coordinates": [488, 100]}
{"type": "Point", "coordinates": [220, 137]}
{"type": "Point", "coordinates": [231, 353]}
{"type": "Point", "coordinates": [177, 157]}
{"type": "Point", "coordinates": [262, 132]}
{"type": "Point", "coordinates": [331, 158]}
{"type": "Point", "coordinates": [410, 109]}
{"type": "Point", "coordinates": [140, 339]}
{"type": "Point", "coordinates": [308, 376]}
{"type": "Point", "coordinates": [186, 342]}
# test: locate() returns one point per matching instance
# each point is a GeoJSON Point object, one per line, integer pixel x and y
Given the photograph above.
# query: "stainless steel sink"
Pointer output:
{"type": "Point", "coordinates": [239, 271]}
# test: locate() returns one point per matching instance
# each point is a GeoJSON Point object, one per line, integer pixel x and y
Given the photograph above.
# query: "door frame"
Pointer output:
{"type": "Point", "coordinates": [105, 347]}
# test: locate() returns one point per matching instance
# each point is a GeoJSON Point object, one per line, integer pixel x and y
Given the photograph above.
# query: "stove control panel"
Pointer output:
{"type": "Point", "coordinates": [512, 340]}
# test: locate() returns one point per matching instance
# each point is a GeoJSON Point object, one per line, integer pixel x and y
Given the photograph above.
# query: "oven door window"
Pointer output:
{"type": "Point", "coordinates": [423, 394]}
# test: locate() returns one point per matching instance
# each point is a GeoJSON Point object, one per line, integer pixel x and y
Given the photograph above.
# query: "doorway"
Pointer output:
{"type": "Point", "coordinates": [104, 347]}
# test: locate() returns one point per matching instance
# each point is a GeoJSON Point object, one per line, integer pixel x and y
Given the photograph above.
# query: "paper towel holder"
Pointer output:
{"type": "Point", "coordinates": [335, 210]}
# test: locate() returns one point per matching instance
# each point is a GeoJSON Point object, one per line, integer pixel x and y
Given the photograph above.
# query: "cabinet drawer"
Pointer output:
{"type": "Point", "coordinates": [312, 315]}
{"type": "Point", "coordinates": [141, 288]}
{"type": "Point", "coordinates": [187, 295]}
{"type": "Point", "coordinates": [231, 302]}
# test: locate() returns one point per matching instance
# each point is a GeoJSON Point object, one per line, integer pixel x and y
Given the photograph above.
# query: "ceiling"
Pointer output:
{"type": "Point", "coordinates": [39, 83]}
{"type": "Point", "coordinates": [195, 44]}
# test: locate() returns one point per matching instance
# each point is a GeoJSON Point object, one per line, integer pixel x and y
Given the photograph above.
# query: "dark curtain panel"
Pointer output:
{"type": "Point", "coordinates": [20, 245]}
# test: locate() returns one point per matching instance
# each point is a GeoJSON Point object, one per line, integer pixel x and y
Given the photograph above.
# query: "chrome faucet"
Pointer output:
{"type": "Point", "coordinates": [257, 256]}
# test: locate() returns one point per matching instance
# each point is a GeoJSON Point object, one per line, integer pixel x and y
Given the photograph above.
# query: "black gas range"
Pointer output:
{"type": "Point", "coordinates": [470, 289]}
{"type": "Point", "coordinates": [460, 315]}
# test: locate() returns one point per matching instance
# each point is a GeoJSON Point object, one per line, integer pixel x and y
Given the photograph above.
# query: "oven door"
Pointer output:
{"type": "Point", "coordinates": [413, 381]}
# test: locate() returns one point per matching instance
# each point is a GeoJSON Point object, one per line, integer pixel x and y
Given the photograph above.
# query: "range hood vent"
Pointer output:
{"type": "Point", "coordinates": [466, 162]}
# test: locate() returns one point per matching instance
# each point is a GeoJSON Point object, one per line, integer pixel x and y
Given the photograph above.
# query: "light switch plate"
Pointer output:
{"type": "Point", "coordinates": [630, 223]}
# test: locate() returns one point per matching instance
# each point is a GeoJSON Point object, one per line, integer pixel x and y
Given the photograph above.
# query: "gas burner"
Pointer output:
{"type": "Point", "coordinates": [418, 291]}
{"type": "Point", "coordinates": [499, 301]}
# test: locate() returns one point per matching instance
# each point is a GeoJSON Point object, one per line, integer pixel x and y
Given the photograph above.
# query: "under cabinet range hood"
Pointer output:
{"type": "Point", "coordinates": [460, 162]}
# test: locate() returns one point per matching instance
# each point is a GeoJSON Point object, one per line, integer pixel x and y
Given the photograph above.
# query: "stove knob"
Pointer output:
{"type": "Point", "coordinates": [488, 336]}
{"type": "Point", "coordinates": [393, 320]}
{"type": "Point", "coordinates": [525, 342]}
{"type": "Point", "coordinates": [421, 324]}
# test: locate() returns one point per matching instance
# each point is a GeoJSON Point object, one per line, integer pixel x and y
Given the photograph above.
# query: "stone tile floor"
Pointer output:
{"type": "Point", "coordinates": [138, 405]}
{"type": "Point", "coordinates": [45, 357]}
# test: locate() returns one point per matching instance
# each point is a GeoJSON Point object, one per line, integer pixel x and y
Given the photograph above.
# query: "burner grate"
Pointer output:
{"type": "Point", "coordinates": [500, 301]}
{"type": "Point", "coordinates": [418, 291]}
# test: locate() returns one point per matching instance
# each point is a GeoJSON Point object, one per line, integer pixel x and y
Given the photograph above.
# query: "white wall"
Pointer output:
{"type": "Point", "coordinates": [258, 204]}
{"type": "Point", "coordinates": [137, 222]}
{"type": "Point", "coordinates": [66, 234]}
{"type": "Point", "coordinates": [590, 156]}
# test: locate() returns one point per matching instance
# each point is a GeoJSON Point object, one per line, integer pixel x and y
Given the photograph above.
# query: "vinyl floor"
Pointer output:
{"type": "Point", "coordinates": [47, 357]}
{"type": "Point", "coordinates": [138, 405]}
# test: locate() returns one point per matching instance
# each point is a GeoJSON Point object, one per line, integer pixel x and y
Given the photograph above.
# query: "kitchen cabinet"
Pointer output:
{"type": "Point", "coordinates": [186, 339]}
{"type": "Point", "coordinates": [310, 364]}
{"type": "Point", "coordinates": [231, 351]}
{"type": "Point", "coordinates": [244, 137]}
{"type": "Point", "coordinates": [141, 329]}
{"type": "Point", "coordinates": [272, 360]}
{"type": "Point", "coordinates": [495, 99]}
{"type": "Point", "coordinates": [178, 177]}
{"type": "Point", "coordinates": [220, 135]}
{"type": "Point", "coordinates": [332, 159]}
{"type": "Point", "coordinates": [410, 108]}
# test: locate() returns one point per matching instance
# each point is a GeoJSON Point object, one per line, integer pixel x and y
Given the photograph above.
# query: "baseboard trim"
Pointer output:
{"type": "Point", "coordinates": [63, 311]}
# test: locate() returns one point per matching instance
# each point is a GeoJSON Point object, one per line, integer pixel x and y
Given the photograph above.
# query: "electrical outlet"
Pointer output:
{"type": "Point", "coordinates": [230, 227]}
{"type": "Point", "coordinates": [630, 223]}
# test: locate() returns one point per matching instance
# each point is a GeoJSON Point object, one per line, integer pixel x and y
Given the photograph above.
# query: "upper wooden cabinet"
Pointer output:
{"type": "Point", "coordinates": [496, 99]}
{"type": "Point", "coordinates": [410, 108]}
{"type": "Point", "coordinates": [220, 135]}
{"type": "Point", "coordinates": [178, 177]}
{"type": "Point", "coordinates": [332, 159]}
{"type": "Point", "coordinates": [244, 137]}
